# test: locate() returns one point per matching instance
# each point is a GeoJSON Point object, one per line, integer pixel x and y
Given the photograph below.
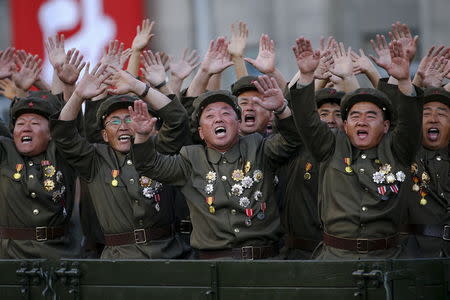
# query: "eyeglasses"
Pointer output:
{"type": "Point", "coordinates": [118, 122]}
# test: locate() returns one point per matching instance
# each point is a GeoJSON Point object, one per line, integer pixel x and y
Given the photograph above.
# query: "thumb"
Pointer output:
{"type": "Point", "coordinates": [250, 60]}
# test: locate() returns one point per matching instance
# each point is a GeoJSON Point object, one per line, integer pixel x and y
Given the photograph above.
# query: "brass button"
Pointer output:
{"type": "Point", "coordinates": [33, 195]}
{"type": "Point", "coordinates": [364, 208]}
{"type": "Point", "coordinates": [236, 230]}
{"type": "Point", "coordinates": [129, 162]}
{"type": "Point", "coordinates": [30, 163]}
{"type": "Point", "coordinates": [438, 158]}
{"type": "Point", "coordinates": [224, 178]}
{"type": "Point", "coordinates": [361, 171]}
{"type": "Point", "coordinates": [363, 156]}
{"type": "Point", "coordinates": [35, 211]}
{"type": "Point", "coordinates": [233, 211]}
{"type": "Point", "coordinates": [31, 176]}
{"type": "Point", "coordinates": [131, 180]}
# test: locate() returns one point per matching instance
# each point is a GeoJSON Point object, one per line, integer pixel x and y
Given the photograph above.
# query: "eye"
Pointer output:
{"type": "Point", "coordinates": [338, 115]}
{"type": "Point", "coordinates": [323, 114]}
{"type": "Point", "coordinates": [226, 113]}
{"type": "Point", "coordinates": [209, 116]}
{"type": "Point", "coordinates": [128, 120]}
{"type": "Point", "coordinates": [116, 122]}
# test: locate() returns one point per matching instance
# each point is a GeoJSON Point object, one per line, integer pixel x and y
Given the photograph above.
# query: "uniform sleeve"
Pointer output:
{"type": "Point", "coordinates": [174, 132]}
{"type": "Point", "coordinates": [164, 168]}
{"type": "Point", "coordinates": [315, 134]}
{"type": "Point", "coordinates": [4, 131]}
{"type": "Point", "coordinates": [407, 132]}
{"type": "Point", "coordinates": [92, 132]}
{"type": "Point", "coordinates": [76, 150]}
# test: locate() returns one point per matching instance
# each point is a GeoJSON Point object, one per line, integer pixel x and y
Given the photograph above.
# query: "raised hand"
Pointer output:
{"type": "Point", "coordinates": [29, 73]}
{"type": "Point", "coordinates": [361, 63]}
{"type": "Point", "coordinates": [8, 88]}
{"type": "Point", "coordinates": [113, 57]}
{"type": "Point", "coordinates": [307, 59]}
{"type": "Point", "coordinates": [165, 59]}
{"type": "Point", "coordinates": [426, 61]}
{"type": "Point", "coordinates": [91, 84]}
{"type": "Point", "coordinates": [153, 71]}
{"type": "Point", "coordinates": [402, 34]}
{"type": "Point", "coordinates": [272, 96]}
{"type": "Point", "coordinates": [55, 50]}
{"type": "Point", "coordinates": [183, 67]}
{"type": "Point", "coordinates": [124, 57]}
{"type": "Point", "coordinates": [399, 67]}
{"type": "Point", "coordinates": [141, 123]}
{"type": "Point", "coordinates": [328, 45]}
{"type": "Point", "coordinates": [70, 70]}
{"type": "Point", "coordinates": [342, 65]}
{"type": "Point", "coordinates": [7, 64]}
{"type": "Point", "coordinates": [122, 81]}
{"type": "Point", "coordinates": [265, 61]}
{"type": "Point", "coordinates": [143, 35]}
{"type": "Point", "coordinates": [322, 70]}
{"type": "Point", "coordinates": [436, 72]}
{"type": "Point", "coordinates": [381, 48]}
{"type": "Point", "coordinates": [238, 41]}
{"type": "Point", "coordinates": [217, 57]}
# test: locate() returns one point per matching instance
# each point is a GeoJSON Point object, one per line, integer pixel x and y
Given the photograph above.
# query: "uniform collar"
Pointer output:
{"type": "Point", "coordinates": [432, 154]}
{"type": "Point", "coordinates": [369, 153]}
{"type": "Point", "coordinates": [230, 156]}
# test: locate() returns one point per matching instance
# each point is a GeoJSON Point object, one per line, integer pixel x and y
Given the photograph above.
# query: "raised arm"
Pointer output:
{"type": "Point", "coordinates": [154, 72]}
{"type": "Point", "coordinates": [140, 41]}
{"type": "Point", "coordinates": [363, 65]}
{"type": "Point", "coordinates": [236, 48]}
{"type": "Point", "coordinates": [180, 69]}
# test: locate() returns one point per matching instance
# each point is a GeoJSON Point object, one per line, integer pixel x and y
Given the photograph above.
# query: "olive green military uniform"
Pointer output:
{"type": "Point", "coordinates": [230, 195]}
{"type": "Point", "coordinates": [300, 217]}
{"type": "Point", "coordinates": [125, 202]}
{"type": "Point", "coordinates": [429, 198]}
{"type": "Point", "coordinates": [352, 206]}
{"type": "Point", "coordinates": [4, 131]}
{"type": "Point", "coordinates": [36, 196]}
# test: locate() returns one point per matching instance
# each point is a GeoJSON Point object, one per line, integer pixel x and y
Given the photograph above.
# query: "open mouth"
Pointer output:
{"type": "Point", "coordinates": [124, 138]}
{"type": "Point", "coordinates": [26, 139]}
{"type": "Point", "coordinates": [249, 119]}
{"type": "Point", "coordinates": [362, 134]}
{"type": "Point", "coordinates": [220, 131]}
{"type": "Point", "coordinates": [433, 134]}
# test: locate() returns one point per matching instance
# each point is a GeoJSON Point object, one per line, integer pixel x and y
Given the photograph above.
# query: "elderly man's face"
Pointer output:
{"type": "Point", "coordinates": [435, 125]}
{"type": "Point", "coordinates": [117, 132]}
{"type": "Point", "coordinates": [330, 113]}
{"type": "Point", "coordinates": [254, 117]}
{"type": "Point", "coordinates": [31, 134]}
{"type": "Point", "coordinates": [365, 125]}
{"type": "Point", "coordinates": [219, 126]}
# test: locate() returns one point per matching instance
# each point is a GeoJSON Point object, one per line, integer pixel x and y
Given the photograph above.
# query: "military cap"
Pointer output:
{"type": "Point", "coordinates": [114, 103]}
{"type": "Point", "coordinates": [33, 105]}
{"type": "Point", "coordinates": [328, 95]}
{"type": "Point", "coordinates": [243, 84]}
{"type": "Point", "coordinates": [438, 95]}
{"type": "Point", "coordinates": [211, 97]}
{"type": "Point", "coordinates": [366, 95]}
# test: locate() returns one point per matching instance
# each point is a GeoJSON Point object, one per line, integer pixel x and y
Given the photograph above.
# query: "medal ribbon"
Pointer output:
{"type": "Point", "coordinates": [19, 167]}
{"type": "Point", "coordinates": [394, 188]}
{"type": "Point", "coordinates": [382, 190]}
{"type": "Point", "coordinates": [263, 206]}
{"type": "Point", "coordinates": [308, 167]}
{"type": "Point", "coordinates": [249, 212]}
{"type": "Point", "coordinates": [115, 173]}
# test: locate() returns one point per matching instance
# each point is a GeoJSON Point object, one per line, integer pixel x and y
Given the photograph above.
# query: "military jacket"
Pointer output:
{"type": "Point", "coordinates": [123, 200]}
{"type": "Point", "coordinates": [353, 203]}
{"type": "Point", "coordinates": [35, 192]}
{"type": "Point", "coordinates": [230, 195]}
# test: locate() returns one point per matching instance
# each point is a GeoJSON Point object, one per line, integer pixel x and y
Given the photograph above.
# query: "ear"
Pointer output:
{"type": "Point", "coordinates": [105, 136]}
{"type": "Point", "coordinates": [200, 133]}
{"type": "Point", "coordinates": [345, 126]}
{"type": "Point", "coordinates": [387, 125]}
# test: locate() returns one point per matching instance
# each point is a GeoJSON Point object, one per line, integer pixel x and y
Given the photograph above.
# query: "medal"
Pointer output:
{"type": "Point", "coordinates": [249, 213]}
{"type": "Point", "coordinates": [49, 170]}
{"type": "Point", "coordinates": [237, 175]}
{"type": "Point", "coordinates": [157, 198]}
{"type": "Point", "coordinates": [248, 222]}
{"type": "Point", "coordinates": [308, 168]}
{"type": "Point", "coordinates": [348, 162]}
{"type": "Point", "coordinates": [247, 167]}
{"type": "Point", "coordinates": [423, 201]}
{"type": "Point", "coordinates": [17, 175]}
{"type": "Point", "coordinates": [210, 201]}
{"type": "Point", "coordinates": [114, 174]}
{"type": "Point", "coordinates": [49, 184]}
{"type": "Point", "coordinates": [145, 181]}
{"type": "Point", "coordinates": [261, 215]}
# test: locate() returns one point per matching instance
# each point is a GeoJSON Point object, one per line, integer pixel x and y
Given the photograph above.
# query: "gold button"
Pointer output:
{"type": "Point", "coordinates": [233, 211]}
{"type": "Point", "coordinates": [33, 195]}
{"type": "Point", "coordinates": [30, 163]}
{"type": "Point", "coordinates": [31, 176]}
{"type": "Point", "coordinates": [364, 208]}
{"type": "Point", "coordinates": [35, 211]}
{"type": "Point", "coordinates": [131, 180]}
{"type": "Point", "coordinates": [363, 156]}
{"type": "Point", "coordinates": [236, 230]}
{"type": "Point", "coordinates": [361, 171]}
{"type": "Point", "coordinates": [129, 162]}
{"type": "Point", "coordinates": [224, 178]}
{"type": "Point", "coordinates": [438, 158]}
{"type": "Point", "coordinates": [224, 161]}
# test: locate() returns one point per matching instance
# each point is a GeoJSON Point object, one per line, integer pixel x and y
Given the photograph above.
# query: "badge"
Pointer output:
{"type": "Point", "coordinates": [17, 175]}
{"type": "Point", "coordinates": [49, 184]}
{"type": "Point", "coordinates": [209, 188]}
{"type": "Point", "coordinates": [157, 207]}
{"type": "Point", "coordinates": [249, 213]}
{"type": "Point", "coordinates": [237, 175]}
{"type": "Point", "coordinates": [247, 167]}
{"type": "Point", "coordinates": [247, 182]}
{"type": "Point", "coordinates": [237, 189]}
{"type": "Point", "coordinates": [145, 181]}
{"type": "Point", "coordinates": [257, 175]}
{"type": "Point", "coordinates": [157, 198]}
{"type": "Point", "coordinates": [210, 201]}
{"type": "Point", "coordinates": [114, 174]}
{"type": "Point", "coordinates": [49, 171]}
{"type": "Point", "coordinates": [260, 215]}
{"type": "Point", "coordinates": [244, 202]}
{"type": "Point", "coordinates": [211, 176]}
{"type": "Point", "coordinates": [415, 187]}
{"type": "Point", "coordinates": [348, 162]}
{"type": "Point", "coordinates": [257, 196]}
{"type": "Point", "coordinates": [308, 168]}
{"type": "Point", "coordinates": [248, 222]}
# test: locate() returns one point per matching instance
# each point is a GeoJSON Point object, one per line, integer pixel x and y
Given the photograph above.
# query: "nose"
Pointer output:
{"type": "Point", "coordinates": [434, 117]}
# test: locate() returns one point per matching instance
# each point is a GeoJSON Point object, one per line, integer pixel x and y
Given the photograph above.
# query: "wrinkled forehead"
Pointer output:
{"type": "Point", "coordinates": [436, 105]}
{"type": "Point", "coordinates": [364, 107]}
{"type": "Point", "coordinates": [248, 95]}
{"type": "Point", "coordinates": [31, 116]}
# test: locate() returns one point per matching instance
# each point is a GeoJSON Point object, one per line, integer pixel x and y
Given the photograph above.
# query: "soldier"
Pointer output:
{"type": "Point", "coordinates": [362, 169]}
{"type": "Point", "coordinates": [37, 186]}
{"type": "Point", "coordinates": [429, 204]}
{"type": "Point", "coordinates": [228, 182]}
{"type": "Point", "coordinates": [135, 213]}
{"type": "Point", "coordinates": [299, 216]}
